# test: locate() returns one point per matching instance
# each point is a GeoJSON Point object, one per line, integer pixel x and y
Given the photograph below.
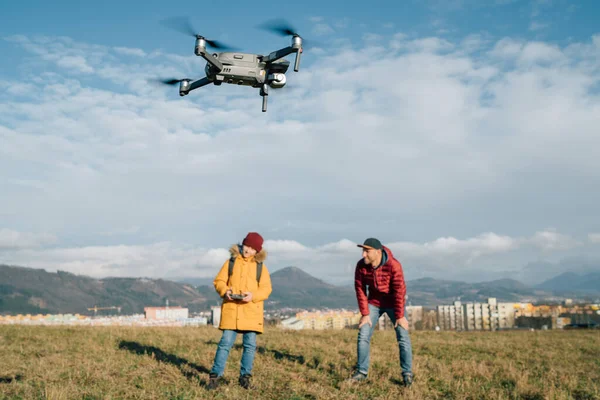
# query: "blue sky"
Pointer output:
{"type": "Point", "coordinates": [462, 133]}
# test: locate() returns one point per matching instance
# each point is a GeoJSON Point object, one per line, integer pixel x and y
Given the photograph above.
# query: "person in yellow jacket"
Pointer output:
{"type": "Point", "coordinates": [242, 308]}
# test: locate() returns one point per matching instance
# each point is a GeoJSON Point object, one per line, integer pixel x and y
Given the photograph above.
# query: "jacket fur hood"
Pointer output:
{"type": "Point", "coordinates": [235, 250]}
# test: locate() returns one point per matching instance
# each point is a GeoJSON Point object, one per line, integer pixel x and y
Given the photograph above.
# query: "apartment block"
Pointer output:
{"type": "Point", "coordinates": [175, 312]}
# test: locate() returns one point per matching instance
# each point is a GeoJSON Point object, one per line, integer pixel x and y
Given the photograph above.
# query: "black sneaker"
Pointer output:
{"type": "Point", "coordinates": [245, 381]}
{"type": "Point", "coordinates": [408, 380]}
{"type": "Point", "coordinates": [214, 381]}
{"type": "Point", "coordinates": [357, 377]}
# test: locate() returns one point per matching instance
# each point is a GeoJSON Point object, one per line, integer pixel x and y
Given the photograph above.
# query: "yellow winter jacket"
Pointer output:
{"type": "Point", "coordinates": [237, 315]}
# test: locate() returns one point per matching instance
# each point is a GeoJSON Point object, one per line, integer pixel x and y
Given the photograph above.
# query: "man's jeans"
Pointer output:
{"type": "Point", "coordinates": [364, 341]}
{"type": "Point", "coordinates": [225, 345]}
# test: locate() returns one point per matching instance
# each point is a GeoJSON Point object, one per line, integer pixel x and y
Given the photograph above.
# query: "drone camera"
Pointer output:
{"type": "Point", "coordinates": [277, 80]}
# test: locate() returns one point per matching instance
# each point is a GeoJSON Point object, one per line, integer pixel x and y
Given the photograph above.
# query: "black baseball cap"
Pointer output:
{"type": "Point", "coordinates": [371, 243]}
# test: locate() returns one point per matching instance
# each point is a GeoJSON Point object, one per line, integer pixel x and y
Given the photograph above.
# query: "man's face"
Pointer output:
{"type": "Point", "coordinates": [371, 256]}
{"type": "Point", "coordinates": [248, 251]}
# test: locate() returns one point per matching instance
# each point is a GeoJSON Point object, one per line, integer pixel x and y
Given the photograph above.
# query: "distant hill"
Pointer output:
{"type": "Point", "coordinates": [572, 282]}
{"type": "Point", "coordinates": [27, 290]}
{"type": "Point", "coordinates": [292, 287]}
{"type": "Point", "coordinates": [536, 273]}
{"type": "Point", "coordinates": [429, 291]}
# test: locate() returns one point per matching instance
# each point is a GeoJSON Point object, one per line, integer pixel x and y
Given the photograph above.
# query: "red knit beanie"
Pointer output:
{"type": "Point", "coordinates": [253, 240]}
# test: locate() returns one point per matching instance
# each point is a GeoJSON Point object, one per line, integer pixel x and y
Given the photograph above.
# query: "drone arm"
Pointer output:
{"type": "Point", "coordinates": [199, 83]}
{"type": "Point", "coordinates": [209, 58]}
{"type": "Point", "coordinates": [187, 87]}
{"type": "Point", "coordinates": [276, 55]}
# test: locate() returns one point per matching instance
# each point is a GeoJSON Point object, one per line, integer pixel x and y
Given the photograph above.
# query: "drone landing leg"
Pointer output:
{"type": "Point", "coordinates": [264, 92]}
{"type": "Point", "coordinates": [297, 63]}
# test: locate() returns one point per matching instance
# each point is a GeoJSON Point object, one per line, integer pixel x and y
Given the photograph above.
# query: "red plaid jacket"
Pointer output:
{"type": "Point", "coordinates": [385, 284]}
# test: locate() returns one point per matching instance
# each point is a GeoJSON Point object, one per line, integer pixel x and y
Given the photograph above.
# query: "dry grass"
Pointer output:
{"type": "Point", "coordinates": [173, 363]}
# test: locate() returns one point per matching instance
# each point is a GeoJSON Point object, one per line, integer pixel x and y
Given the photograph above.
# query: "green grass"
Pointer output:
{"type": "Point", "coordinates": [172, 363]}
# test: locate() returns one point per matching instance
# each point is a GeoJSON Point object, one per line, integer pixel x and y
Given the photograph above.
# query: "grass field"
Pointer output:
{"type": "Point", "coordinates": [172, 363]}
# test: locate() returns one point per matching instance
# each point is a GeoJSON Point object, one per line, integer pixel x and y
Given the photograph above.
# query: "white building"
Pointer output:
{"type": "Point", "coordinates": [489, 316]}
{"type": "Point", "coordinates": [292, 323]}
{"type": "Point", "coordinates": [450, 317]}
{"type": "Point", "coordinates": [478, 316]}
{"type": "Point", "coordinates": [414, 314]}
{"type": "Point", "coordinates": [506, 315]}
{"type": "Point", "coordinates": [175, 312]}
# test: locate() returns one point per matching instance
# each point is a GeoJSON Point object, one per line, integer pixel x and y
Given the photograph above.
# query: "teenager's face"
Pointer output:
{"type": "Point", "coordinates": [248, 251]}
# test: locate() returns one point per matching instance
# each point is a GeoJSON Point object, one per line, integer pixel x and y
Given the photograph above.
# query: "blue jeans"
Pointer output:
{"type": "Point", "coordinates": [227, 340]}
{"type": "Point", "coordinates": [364, 342]}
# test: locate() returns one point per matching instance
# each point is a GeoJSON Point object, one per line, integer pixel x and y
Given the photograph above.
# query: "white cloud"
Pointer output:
{"type": "Point", "coordinates": [416, 133]}
{"type": "Point", "coordinates": [507, 48]}
{"type": "Point", "coordinates": [536, 52]}
{"type": "Point", "coordinates": [130, 52]}
{"type": "Point", "coordinates": [75, 62]}
{"type": "Point", "coordinates": [594, 237]}
{"type": "Point", "coordinates": [10, 239]}
{"type": "Point", "coordinates": [552, 240]}
{"type": "Point", "coordinates": [333, 261]}
{"type": "Point", "coordinates": [285, 246]}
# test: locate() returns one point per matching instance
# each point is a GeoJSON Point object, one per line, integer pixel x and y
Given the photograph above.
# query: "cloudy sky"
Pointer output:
{"type": "Point", "coordinates": [463, 134]}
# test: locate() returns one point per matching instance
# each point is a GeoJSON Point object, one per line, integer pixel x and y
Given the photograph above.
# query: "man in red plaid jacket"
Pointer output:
{"type": "Point", "coordinates": [380, 288]}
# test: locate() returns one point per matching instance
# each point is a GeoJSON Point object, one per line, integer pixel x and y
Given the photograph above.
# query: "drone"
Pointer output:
{"type": "Point", "coordinates": [235, 68]}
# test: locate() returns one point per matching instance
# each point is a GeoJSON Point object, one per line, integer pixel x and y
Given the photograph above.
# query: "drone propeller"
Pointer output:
{"type": "Point", "coordinates": [168, 81]}
{"type": "Point", "coordinates": [183, 25]}
{"type": "Point", "coordinates": [280, 27]}
{"type": "Point", "coordinates": [171, 81]}
{"type": "Point", "coordinates": [283, 28]}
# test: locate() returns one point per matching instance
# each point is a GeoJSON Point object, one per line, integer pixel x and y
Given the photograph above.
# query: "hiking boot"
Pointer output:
{"type": "Point", "coordinates": [214, 381]}
{"type": "Point", "coordinates": [357, 377]}
{"type": "Point", "coordinates": [408, 380]}
{"type": "Point", "coordinates": [245, 381]}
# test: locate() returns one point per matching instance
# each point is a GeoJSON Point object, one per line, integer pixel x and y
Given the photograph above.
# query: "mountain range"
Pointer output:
{"type": "Point", "coordinates": [27, 290]}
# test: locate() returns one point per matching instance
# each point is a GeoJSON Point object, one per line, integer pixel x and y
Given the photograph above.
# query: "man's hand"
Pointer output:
{"type": "Point", "coordinates": [227, 293]}
{"type": "Point", "coordinates": [247, 297]}
{"type": "Point", "coordinates": [403, 322]}
{"type": "Point", "coordinates": [365, 319]}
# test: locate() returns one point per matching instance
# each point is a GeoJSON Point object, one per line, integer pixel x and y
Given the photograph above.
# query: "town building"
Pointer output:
{"type": "Point", "coordinates": [450, 317]}
{"type": "Point", "coordinates": [173, 312]}
{"type": "Point", "coordinates": [488, 316]}
{"type": "Point", "coordinates": [321, 320]}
